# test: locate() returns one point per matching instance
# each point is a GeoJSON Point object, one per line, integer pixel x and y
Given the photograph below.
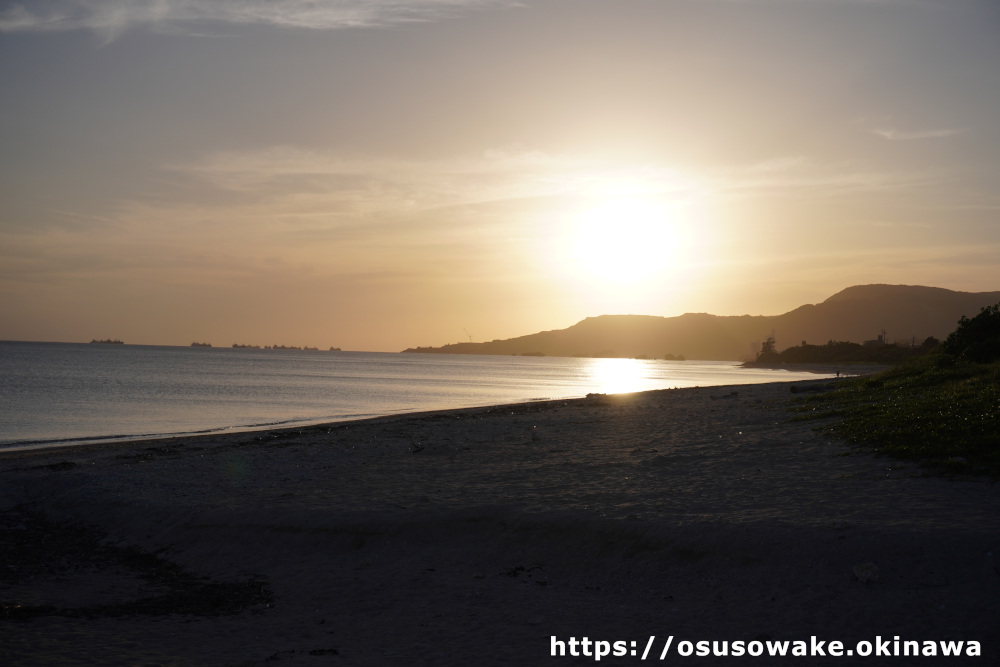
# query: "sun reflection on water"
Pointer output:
{"type": "Point", "coordinates": [619, 376]}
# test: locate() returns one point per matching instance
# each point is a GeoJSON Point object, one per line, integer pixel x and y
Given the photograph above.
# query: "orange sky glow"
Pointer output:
{"type": "Point", "coordinates": [381, 175]}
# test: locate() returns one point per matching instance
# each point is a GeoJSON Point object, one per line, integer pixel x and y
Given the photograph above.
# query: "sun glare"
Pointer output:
{"type": "Point", "coordinates": [624, 240]}
{"type": "Point", "coordinates": [617, 376]}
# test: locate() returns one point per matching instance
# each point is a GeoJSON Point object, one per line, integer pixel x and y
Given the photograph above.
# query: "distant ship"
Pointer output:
{"type": "Point", "coordinates": [201, 345]}
{"type": "Point", "coordinates": [107, 341]}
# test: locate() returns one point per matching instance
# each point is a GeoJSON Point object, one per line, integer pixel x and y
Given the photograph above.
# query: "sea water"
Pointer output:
{"type": "Point", "coordinates": [65, 393]}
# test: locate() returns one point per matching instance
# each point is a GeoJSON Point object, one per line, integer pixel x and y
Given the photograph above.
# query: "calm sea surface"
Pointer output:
{"type": "Point", "coordinates": [63, 393]}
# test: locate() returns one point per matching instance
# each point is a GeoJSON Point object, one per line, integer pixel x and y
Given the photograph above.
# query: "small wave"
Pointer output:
{"type": "Point", "coordinates": [97, 439]}
{"type": "Point", "coordinates": [43, 443]}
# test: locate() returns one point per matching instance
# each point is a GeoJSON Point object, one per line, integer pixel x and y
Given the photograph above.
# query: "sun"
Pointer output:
{"type": "Point", "coordinates": [624, 240]}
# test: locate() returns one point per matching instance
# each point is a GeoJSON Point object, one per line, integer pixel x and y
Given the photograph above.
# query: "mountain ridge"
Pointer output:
{"type": "Point", "coordinates": [856, 314]}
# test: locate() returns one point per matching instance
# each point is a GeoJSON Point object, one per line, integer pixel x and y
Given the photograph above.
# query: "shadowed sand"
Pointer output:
{"type": "Point", "coordinates": [472, 536]}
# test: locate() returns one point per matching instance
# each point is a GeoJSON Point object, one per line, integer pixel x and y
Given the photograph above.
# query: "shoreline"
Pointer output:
{"type": "Point", "coordinates": [472, 536]}
{"type": "Point", "coordinates": [236, 434]}
{"type": "Point", "coordinates": [847, 369]}
{"type": "Point", "coordinates": [306, 423]}
{"type": "Point", "coordinates": [99, 423]}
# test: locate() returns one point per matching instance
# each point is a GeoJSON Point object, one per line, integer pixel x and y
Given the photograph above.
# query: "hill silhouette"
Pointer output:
{"type": "Point", "coordinates": [859, 313]}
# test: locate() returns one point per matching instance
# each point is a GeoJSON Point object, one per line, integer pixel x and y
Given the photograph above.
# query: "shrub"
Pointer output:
{"type": "Point", "coordinates": [977, 339]}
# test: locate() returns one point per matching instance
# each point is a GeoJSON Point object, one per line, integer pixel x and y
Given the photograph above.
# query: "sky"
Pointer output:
{"type": "Point", "coordinates": [383, 174]}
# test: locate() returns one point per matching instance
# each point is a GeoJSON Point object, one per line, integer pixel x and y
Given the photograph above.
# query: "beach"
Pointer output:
{"type": "Point", "coordinates": [475, 536]}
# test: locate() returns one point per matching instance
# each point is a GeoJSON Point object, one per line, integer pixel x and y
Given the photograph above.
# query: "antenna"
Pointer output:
{"type": "Point", "coordinates": [467, 333]}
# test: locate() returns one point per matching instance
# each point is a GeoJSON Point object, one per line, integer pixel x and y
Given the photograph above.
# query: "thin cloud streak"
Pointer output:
{"type": "Point", "coordinates": [890, 134]}
{"type": "Point", "coordinates": [518, 173]}
{"type": "Point", "coordinates": [110, 18]}
{"type": "Point", "coordinates": [288, 199]}
{"type": "Point", "coordinates": [293, 204]}
{"type": "Point", "coordinates": [797, 176]}
{"type": "Point", "coordinates": [369, 185]}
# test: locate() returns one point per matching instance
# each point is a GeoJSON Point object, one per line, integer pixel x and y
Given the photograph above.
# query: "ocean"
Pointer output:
{"type": "Point", "coordinates": [55, 394]}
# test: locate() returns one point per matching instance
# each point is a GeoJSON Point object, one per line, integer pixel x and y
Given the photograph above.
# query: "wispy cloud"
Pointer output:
{"type": "Point", "coordinates": [891, 134]}
{"type": "Point", "coordinates": [381, 185]}
{"type": "Point", "coordinates": [292, 197]}
{"type": "Point", "coordinates": [797, 176]}
{"type": "Point", "coordinates": [112, 17]}
{"type": "Point", "coordinates": [294, 207]}
{"type": "Point", "coordinates": [308, 191]}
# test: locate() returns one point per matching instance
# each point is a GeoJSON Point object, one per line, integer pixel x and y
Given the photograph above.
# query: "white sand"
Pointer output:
{"type": "Point", "coordinates": [470, 537]}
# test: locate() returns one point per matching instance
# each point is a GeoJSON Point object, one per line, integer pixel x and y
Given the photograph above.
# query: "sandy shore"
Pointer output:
{"type": "Point", "coordinates": [470, 537]}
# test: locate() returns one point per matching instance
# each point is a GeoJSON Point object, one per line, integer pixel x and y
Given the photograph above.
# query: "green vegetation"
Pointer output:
{"type": "Point", "coordinates": [977, 339]}
{"type": "Point", "coordinates": [941, 409]}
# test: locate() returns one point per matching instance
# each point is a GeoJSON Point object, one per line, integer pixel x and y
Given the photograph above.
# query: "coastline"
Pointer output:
{"type": "Point", "coordinates": [292, 391]}
{"type": "Point", "coordinates": [846, 369]}
{"type": "Point", "coordinates": [472, 536]}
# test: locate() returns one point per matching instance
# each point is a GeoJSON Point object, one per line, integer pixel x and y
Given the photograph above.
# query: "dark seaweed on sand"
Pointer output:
{"type": "Point", "coordinates": [33, 548]}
